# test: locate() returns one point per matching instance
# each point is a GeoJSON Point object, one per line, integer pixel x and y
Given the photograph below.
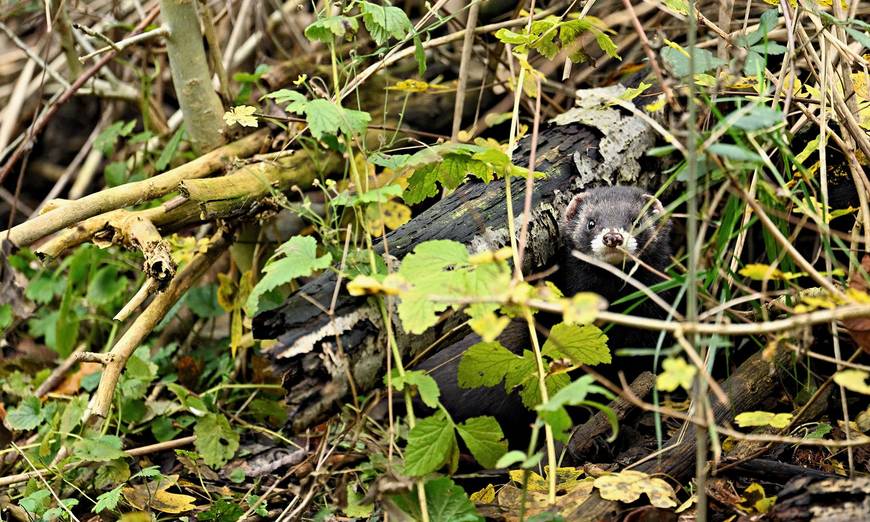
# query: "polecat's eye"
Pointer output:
{"type": "Point", "coordinates": [591, 224]}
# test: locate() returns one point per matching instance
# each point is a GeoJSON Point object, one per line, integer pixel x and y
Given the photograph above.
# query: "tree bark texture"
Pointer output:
{"type": "Point", "coordinates": [202, 109]}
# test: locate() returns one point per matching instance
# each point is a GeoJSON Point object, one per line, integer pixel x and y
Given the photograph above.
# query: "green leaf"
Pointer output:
{"type": "Point", "coordinates": [733, 152]}
{"type": "Point", "coordinates": [108, 500]}
{"type": "Point", "coordinates": [485, 364]}
{"type": "Point", "coordinates": [510, 458]}
{"type": "Point", "coordinates": [430, 444]}
{"type": "Point", "coordinates": [106, 140]}
{"type": "Point", "coordinates": [169, 150]}
{"type": "Point", "coordinates": [115, 173]}
{"type": "Point", "coordinates": [678, 63]}
{"type": "Point", "coordinates": [354, 122]}
{"type": "Point", "coordinates": [860, 37]}
{"type": "Point", "coordinates": [383, 22]}
{"type": "Point", "coordinates": [105, 286]}
{"type": "Point", "coordinates": [203, 301]}
{"type": "Point", "coordinates": [72, 413]}
{"type": "Point", "coordinates": [44, 287]}
{"type": "Point", "coordinates": [36, 503]}
{"type": "Point", "coordinates": [326, 29]}
{"type": "Point", "coordinates": [420, 56]}
{"type": "Point", "coordinates": [761, 117]}
{"type": "Point", "coordinates": [67, 326]}
{"type": "Point", "coordinates": [574, 394]}
{"type": "Point", "coordinates": [445, 502]}
{"type": "Point", "coordinates": [5, 316]}
{"type": "Point", "coordinates": [484, 439]}
{"type": "Point", "coordinates": [677, 372]}
{"type": "Point", "coordinates": [296, 101]}
{"type": "Point", "coordinates": [216, 440]}
{"type": "Point", "coordinates": [101, 449]}
{"type": "Point", "coordinates": [531, 392]}
{"type": "Point", "coordinates": [426, 268]}
{"type": "Point", "coordinates": [325, 117]}
{"type": "Point", "coordinates": [580, 344]}
{"type": "Point", "coordinates": [111, 473]}
{"type": "Point", "coordinates": [27, 415]}
{"type": "Point", "coordinates": [299, 259]}
{"type": "Point", "coordinates": [378, 195]}
{"type": "Point", "coordinates": [512, 38]}
{"type": "Point", "coordinates": [767, 21]}
{"type": "Point", "coordinates": [769, 48]}
{"type": "Point", "coordinates": [426, 385]}
{"type": "Point", "coordinates": [421, 185]}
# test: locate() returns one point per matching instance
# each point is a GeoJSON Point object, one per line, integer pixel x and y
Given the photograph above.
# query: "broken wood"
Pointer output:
{"type": "Point", "coordinates": [809, 498]}
{"type": "Point", "coordinates": [752, 382]}
{"type": "Point", "coordinates": [583, 437]}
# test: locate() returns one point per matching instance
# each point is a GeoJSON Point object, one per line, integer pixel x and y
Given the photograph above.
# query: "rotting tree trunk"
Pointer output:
{"type": "Point", "coordinates": [202, 109]}
{"type": "Point", "coordinates": [314, 352]}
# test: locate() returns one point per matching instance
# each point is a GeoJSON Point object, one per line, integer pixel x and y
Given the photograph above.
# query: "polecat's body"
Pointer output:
{"type": "Point", "coordinates": [615, 225]}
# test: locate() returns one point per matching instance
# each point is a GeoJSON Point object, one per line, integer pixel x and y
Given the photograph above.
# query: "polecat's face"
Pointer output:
{"type": "Point", "coordinates": [613, 223]}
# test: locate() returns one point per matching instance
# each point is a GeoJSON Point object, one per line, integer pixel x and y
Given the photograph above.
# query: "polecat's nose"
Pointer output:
{"type": "Point", "coordinates": [612, 239]}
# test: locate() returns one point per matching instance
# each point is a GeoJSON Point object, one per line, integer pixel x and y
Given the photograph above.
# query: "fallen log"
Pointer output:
{"type": "Point", "coordinates": [809, 498]}
{"type": "Point", "coordinates": [316, 350]}
{"type": "Point", "coordinates": [752, 382]}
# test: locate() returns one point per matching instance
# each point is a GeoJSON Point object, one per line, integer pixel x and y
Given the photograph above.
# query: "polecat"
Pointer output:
{"type": "Point", "coordinates": [611, 224]}
{"type": "Point", "coordinates": [615, 225]}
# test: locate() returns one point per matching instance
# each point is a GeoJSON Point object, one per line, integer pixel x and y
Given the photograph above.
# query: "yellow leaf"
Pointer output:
{"type": "Point", "coordinates": [758, 272]}
{"type": "Point", "coordinates": [657, 105]}
{"type": "Point", "coordinates": [536, 482]}
{"type": "Point", "coordinates": [677, 47]}
{"type": "Point", "coordinates": [154, 495]}
{"type": "Point", "coordinates": [687, 504]}
{"type": "Point", "coordinates": [135, 516]}
{"type": "Point", "coordinates": [582, 308]}
{"type": "Point", "coordinates": [417, 86]}
{"type": "Point", "coordinates": [863, 420]}
{"type": "Point", "coordinates": [755, 500]}
{"type": "Point", "coordinates": [484, 496]}
{"type": "Point", "coordinates": [763, 418]}
{"type": "Point", "coordinates": [853, 380]}
{"type": "Point", "coordinates": [489, 326]}
{"type": "Point", "coordinates": [627, 486]}
{"type": "Point", "coordinates": [495, 118]}
{"type": "Point", "coordinates": [490, 256]}
{"type": "Point", "coordinates": [633, 92]}
{"type": "Point", "coordinates": [677, 372]}
{"type": "Point", "coordinates": [226, 292]}
{"type": "Point", "coordinates": [241, 114]}
{"type": "Point", "coordinates": [393, 284]}
{"type": "Point", "coordinates": [395, 214]}
{"type": "Point", "coordinates": [172, 502]}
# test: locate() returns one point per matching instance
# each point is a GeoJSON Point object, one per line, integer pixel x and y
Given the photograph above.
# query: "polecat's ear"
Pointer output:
{"type": "Point", "coordinates": [573, 207]}
{"type": "Point", "coordinates": [655, 205]}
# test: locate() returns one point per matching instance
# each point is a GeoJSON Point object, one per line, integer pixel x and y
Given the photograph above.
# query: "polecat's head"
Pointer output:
{"type": "Point", "coordinates": [607, 222]}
